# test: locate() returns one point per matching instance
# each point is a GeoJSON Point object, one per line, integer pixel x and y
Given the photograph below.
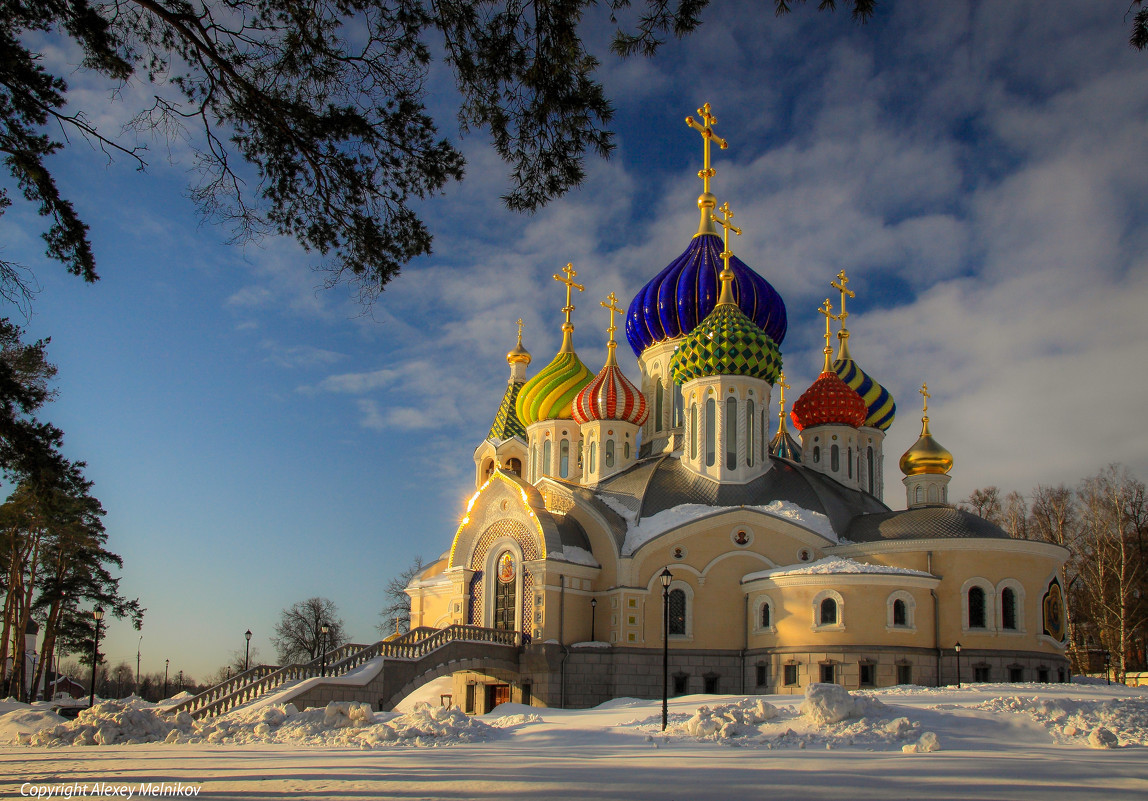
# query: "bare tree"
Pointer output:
{"type": "Point", "coordinates": [984, 502]}
{"type": "Point", "coordinates": [396, 614]}
{"type": "Point", "coordinates": [299, 632]}
{"type": "Point", "coordinates": [1014, 518]}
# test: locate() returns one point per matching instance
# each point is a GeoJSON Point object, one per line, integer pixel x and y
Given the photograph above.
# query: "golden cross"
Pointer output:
{"type": "Point", "coordinates": [727, 224]}
{"type": "Point", "coordinates": [614, 309]}
{"type": "Point", "coordinates": [827, 310]}
{"type": "Point", "coordinates": [520, 331]}
{"type": "Point", "coordinates": [782, 386]}
{"type": "Point", "coordinates": [705, 128]}
{"type": "Point", "coordinates": [841, 283]}
{"type": "Point", "coordinates": [570, 286]}
{"type": "Point", "coordinates": [924, 390]}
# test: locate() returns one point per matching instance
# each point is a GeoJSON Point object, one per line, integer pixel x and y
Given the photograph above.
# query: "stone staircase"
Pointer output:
{"type": "Point", "coordinates": [423, 652]}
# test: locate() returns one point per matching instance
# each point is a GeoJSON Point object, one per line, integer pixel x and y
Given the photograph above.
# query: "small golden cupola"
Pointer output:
{"type": "Point", "coordinates": [783, 445]}
{"type": "Point", "coordinates": [926, 465]}
{"type": "Point", "coordinates": [505, 443]}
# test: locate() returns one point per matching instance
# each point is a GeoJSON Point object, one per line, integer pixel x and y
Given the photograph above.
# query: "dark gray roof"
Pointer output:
{"type": "Point", "coordinates": [571, 532]}
{"type": "Point", "coordinates": [662, 483]}
{"type": "Point", "coordinates": [924, 523]}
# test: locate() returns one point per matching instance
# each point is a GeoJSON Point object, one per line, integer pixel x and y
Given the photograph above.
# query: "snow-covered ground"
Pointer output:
{"type": "Point", "coordinates": [991, 741]}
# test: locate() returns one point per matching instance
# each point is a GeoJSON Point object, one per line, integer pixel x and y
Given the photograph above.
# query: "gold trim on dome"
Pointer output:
{"type": "Point", "coordinates": [706, 201]}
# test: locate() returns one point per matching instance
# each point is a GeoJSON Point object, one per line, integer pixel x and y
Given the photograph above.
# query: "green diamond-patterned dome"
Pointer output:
{"type": "Point", "coordinates": [726, 343]}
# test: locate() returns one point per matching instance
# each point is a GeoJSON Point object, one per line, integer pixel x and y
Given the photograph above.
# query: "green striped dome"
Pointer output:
{"type": "Point", "coordinates": [550, 394]}
{"type": "Point", "coordinates": [726, 343]}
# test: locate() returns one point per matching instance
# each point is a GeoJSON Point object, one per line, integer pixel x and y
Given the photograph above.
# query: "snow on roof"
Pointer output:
{"type": "Point", "coordinates": [577, 556]}
{"type": "Point", "coordinates": [831, 564]}
{"type": "Point", "coordinates": [638, 534]}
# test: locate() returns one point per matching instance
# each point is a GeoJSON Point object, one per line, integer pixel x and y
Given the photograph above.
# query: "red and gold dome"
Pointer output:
{"type": "Point", "coordinates": [830, 401]}
{"type": "Point", "coordinates": [610, 396]}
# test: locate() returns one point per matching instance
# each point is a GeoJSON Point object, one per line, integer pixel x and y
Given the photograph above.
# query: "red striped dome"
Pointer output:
{"type": "Point", "coordinates": [830, 401]}
{"type": "Point", "coordinates": [610, 396]}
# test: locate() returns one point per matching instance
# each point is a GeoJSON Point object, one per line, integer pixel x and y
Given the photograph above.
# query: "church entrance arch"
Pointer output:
{"type": "Point", "coordinates": [506, 579]}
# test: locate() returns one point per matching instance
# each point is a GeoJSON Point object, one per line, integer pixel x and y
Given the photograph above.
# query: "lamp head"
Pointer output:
{"type": "Point", "coordinates": [98, 613]}
{"type": "Point", "coordinates": [593, 603]}
{"type": "Point", "coordinates": [957, 648]}
{"type": "Point", "coordinates": [667, 577]}
{"type": "Point", "coordinates": [324, 628]}
{"type": "Point", "coordinates": [247, 634]}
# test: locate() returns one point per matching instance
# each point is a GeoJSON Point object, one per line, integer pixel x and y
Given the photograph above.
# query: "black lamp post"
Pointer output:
{"type": "Point", "coordinates": [139, 647]}
{"type": "Point", "coordinates": [593, 616]}
{"type": "Point", "coordinates": [181, 681]}
{"type": "Point", "coordinates": [98, 615]}
{"type": "Point", "coordinates": [1107, 662]}
{"type": "Point", "coordinates": [247, 654]}
{"type": "Point", "coordinates": [666, 577]}
{"type": "Point", "coordinates": [957, 648]}
{"type": "Point", "coordinates": [323, 648]}
{"type": "Point", "coordinates": [166, 663]}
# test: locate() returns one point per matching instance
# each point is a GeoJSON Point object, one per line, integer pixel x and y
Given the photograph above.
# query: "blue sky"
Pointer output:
{"type": "Point", "coordinates": [978, 169]}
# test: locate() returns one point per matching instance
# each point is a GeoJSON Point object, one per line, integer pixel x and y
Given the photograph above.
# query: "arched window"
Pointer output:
{"type": "Point", "coordinates": [534, 463]}
{"type": "Point", "coordinates": [828, 613]}
{"type": "Point", "coordinates": [487, 469]}
{"type": "Point", "coordinates": [849, 453]}
{"type": "Point", "coordinates": [764, 435]}
{"type": "Point", "coordinates": [919, 494]}
{"type": "Point", "coordinates": [659, 399]}
{"type": "Point", "coordinates": [766, 615]}
{"type": "Point", "coordinates": [900, 613]}
{"type": "Point", "coordinates": [564, 458]}
{"type": "Point", "coordinates": [749, 449]}
{"type": "Point", "coordinates": [816, 454]}
{"type": "Point", "coordinates": [977, 617]}
{"type": "Point", "coordinates": [693, 431]}
{"type": "Point", "coordinates": [869, 465]}
{"type": "Point", "coordinates": [609, 455]}
{"type": "Point", "coordinates": [677, 603]}
{"type": "Point", "coordinates": [730, 423]}
{"type": "Point", "coordinates": [1008, 609]}
{"type": "Point", "coordinates": [678, 405]}
{"type": "Point", "coordinates": [593, 454]}
{"type": "Point", "coordinates": [514, 466]}
{"type": "Point", "coordinates": [711, 431]}
{"type": "Point", "coordinates": [901, 609]}
{"type": "Point", "coordinates": [834, 458]}
{"type": "Point", "coordinates": [626, 450]}
{"type": "Point", "coordinates": [547, 452]}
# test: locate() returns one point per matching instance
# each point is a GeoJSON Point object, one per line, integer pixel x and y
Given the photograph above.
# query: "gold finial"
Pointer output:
{"type": "Point", "coordinates": [827, 310]}
{"type": "Point", "coordinates": [520, 332]}
{"type": "Point", "coordinates": [924, 390]}
{"type": "Point", "coordinates": [568, 327]}
{"type": "Point", "coordinates": [726, 276]}
{"type": "Point", "coordinates": [611, 345]}
{"type": "Point", "coordinates": [842, 284]}
{"type": "Point", "coordinates": [519, 354]}
{"type": "Point", "coordinates": [782, 385]}
{"type": "Point", "coordinates": [706, 202]}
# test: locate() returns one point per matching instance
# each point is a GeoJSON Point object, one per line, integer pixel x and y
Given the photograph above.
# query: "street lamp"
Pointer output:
{"type": "Point", "coordinates": [166, 664]}
{"type": "Point", "coordinates": [181, 681]}
{"type": "Point", "coordinates": [666, 577]}
{"type": "Point", "coordinates": [139, 645]}
{"type": "Point", "coordinates": [247, 655]}
{"type": "Point", "coordinates": [957, 649]}
{"type": "Point", "coordinates": [323, 648]}
{"type": "Point", "coordinates": [593, 616]}
{"type": "Point", "coordinates": [98, 615]}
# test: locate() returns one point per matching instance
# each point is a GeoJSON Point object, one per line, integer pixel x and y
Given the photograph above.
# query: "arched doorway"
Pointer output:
{"type": "Point", "coordinates": [506, 578]}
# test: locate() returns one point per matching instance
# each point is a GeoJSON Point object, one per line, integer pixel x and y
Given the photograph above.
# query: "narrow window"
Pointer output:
{"type": "Point", "coordinates": [982, 674]}
{"type": "Point", "coordinates": [547, 468]}
{"type": "Point", "coordinates": [693, 431]}
{"type": "Point", "coordinates": [900, 616]}
{"type": "Point", "coordinates": [849, 454]}
{"type": "Point", "coordinates": [1008, 609]}
{"type": "Point", "coordinates": [867, 674]}
{"type": "Point", "coordinates": [828, 674]}
{"type": "Point", "coordinates": [711, 685]}
{"type": "Point", "coordinates": [790, 675]}
{"type": "Point", "coordinates": [677, 612]}
{"type": "Point", "coordinates": [918, 496]}
{"type": "Point", "coordinates": [534, 463]}
{"type": "Point", "coordinates": [749, 449]}
{"type": "Point", "coordinates": [976, 608]}
{"type": "Point", "coordinates": [626, 450]}
{"type": "Point", "coordinates": [1016, 673]}
{"type": "Point", "coordinates": [711, 425]}
{"type": "Point", "coordinates": [609, 453]}
{"type": "Point", "coordinates": [764, 435]}
{"type": "Point", "coordinates": [681, 683]}
{"type": "Point", "coordinates": [869, 465]}
{"type": "Point", "coordinates": [564, 458]}
{"type": "Point", "coordinates": [904, 674]}
{"type": "Point", "coordinates": [828, 612]}
{"type": "Point", "coordinates": [659, 398]}
{"type": "Point", "coordinates": [593, 453]}
{"type": "Point", "coordinates": [816, 454]}
{"type": "Point", "coordinates": [834, 458]}
{"type": "Point", "coordinates": [730, 424]}
{"type": "Point", "coordinates": [765, 617]}
{"type": "Point", "coordinates": [678, 405]}
{"type": "Point", "coordinates": [762, 675]}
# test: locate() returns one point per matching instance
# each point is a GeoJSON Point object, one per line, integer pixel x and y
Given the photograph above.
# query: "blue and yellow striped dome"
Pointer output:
{"type": "Point", "coordinates": [882, 408]}
{"type": "Point", "coordinates": [677, 299]}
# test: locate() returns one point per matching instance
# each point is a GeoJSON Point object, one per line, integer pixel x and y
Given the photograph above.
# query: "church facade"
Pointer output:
{"type": "Point", "coordinates": [613, 519]}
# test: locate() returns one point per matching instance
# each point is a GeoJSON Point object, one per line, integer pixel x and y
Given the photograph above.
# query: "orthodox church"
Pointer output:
{"type": "Point", "coordinates": [612, 519]}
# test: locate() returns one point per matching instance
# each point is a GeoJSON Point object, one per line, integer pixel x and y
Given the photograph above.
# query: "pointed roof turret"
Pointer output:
{"type": "Point", "coordinates": [610, 395]}
{"type": "Point", "coordinates": [879, 403]}
{"type": "Point", "coordinates": [926, 454]}
{"type": "Point", "coordinates": [783, 444]}
{"type": "Point", "coordinates": [829, 401]}
{"type": "Point", "coordinates": [506, 423]}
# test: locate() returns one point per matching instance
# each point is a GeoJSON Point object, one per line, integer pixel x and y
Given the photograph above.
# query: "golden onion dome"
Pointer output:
{"type": "Point", "coordinates": [926, 455]}
{"type": "Point", "coordinates": [519, 355]}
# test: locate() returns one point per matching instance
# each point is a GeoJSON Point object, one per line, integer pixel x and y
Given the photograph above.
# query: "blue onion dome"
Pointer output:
{"type": "Point", "coordinates": [678, 298]}
{"type": "Point", "coordinates": [879, 403]}
{"type": "Point", "coordinates": [726, 343]}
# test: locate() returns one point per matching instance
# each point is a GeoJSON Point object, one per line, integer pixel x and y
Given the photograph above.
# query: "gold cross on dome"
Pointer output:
{"type": "Point", "coordinates": [782, 386]}
{"type": "Point", "coordinates": [727, 224]}
{"type": "Point", "coordinates": [570, 286]}
{"type": "Point", "coordinates": [705, 128]}
{"type": "Point", "coordinates": [924, 390]}
{"type": "Point", "coordinates": [842, 283]}
{"type": "Point", "coordinates": [827, 310]}
{"type": "Point", "coordinates": [614, 308]}
{"type": "Point", "coordinates": [520, 331]}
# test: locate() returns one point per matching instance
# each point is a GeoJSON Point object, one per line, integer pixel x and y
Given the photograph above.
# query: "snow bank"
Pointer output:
{"type": "Point", "coordinates": [645, 530]}
{"type": "Point", "coordinates": [730, 720]}
{"type": "Point", "coordinates": [832, 703]}
{"type": "Point", "coordinates": [18, 724]}
{"type": "Point", "coordinates": [832, 565]}
{"type": "Point", "coordinates": [1097, 724]}
{"type": "Point", "coordinates": [337, 724]}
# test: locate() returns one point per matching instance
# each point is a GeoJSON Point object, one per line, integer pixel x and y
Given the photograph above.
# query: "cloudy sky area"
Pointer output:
{"type": "Point", "coordinates": [979, 169]}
